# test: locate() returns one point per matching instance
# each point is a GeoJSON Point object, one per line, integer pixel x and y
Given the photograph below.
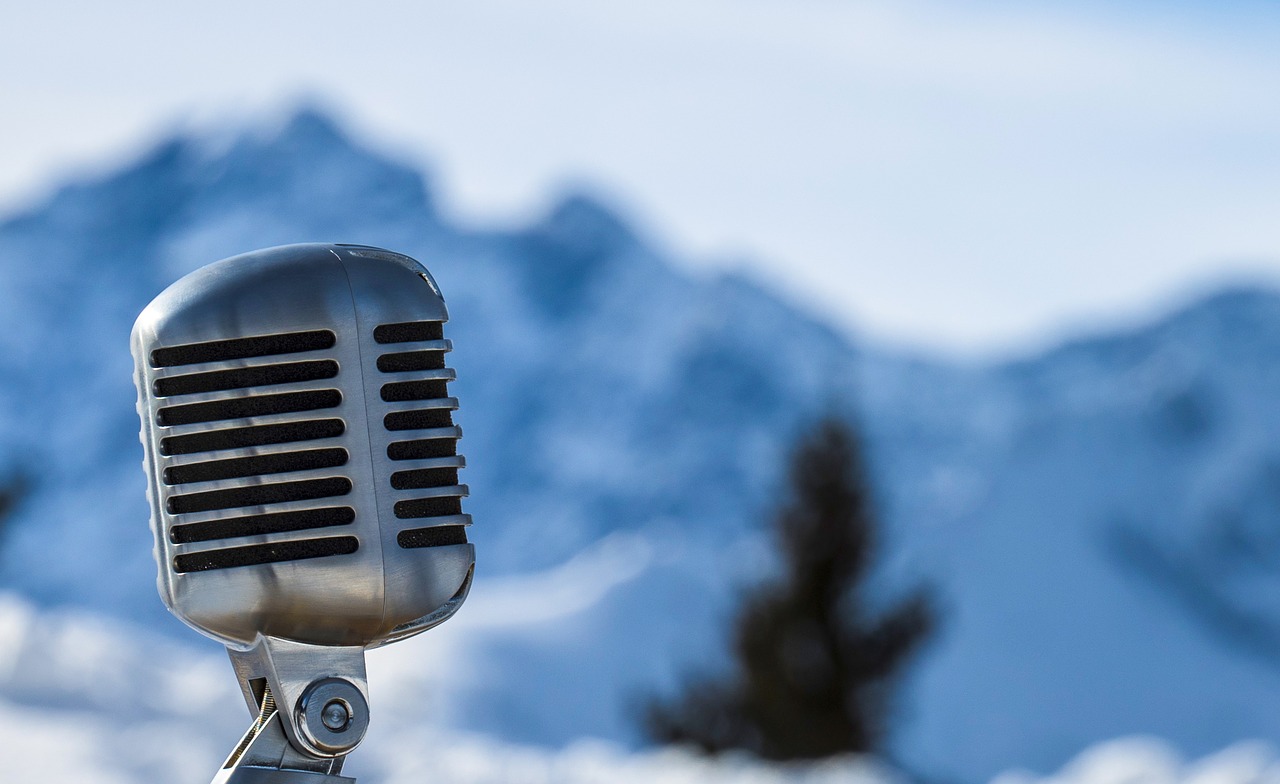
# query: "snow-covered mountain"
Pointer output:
{"type": "Point", "coordinates": [1099, 523]}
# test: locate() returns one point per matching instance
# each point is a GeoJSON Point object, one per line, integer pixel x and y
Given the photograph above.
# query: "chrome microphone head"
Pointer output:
{"type": "Point", "coordinates": [302, 465]}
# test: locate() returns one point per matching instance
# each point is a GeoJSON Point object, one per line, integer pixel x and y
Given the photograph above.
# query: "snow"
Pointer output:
{"type": "Point", "coordinates": [87, 699]}
{"type": "Point", "coordinates": [1147, 760]}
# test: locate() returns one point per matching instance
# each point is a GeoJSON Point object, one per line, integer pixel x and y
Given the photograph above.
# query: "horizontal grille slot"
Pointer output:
{"type": "Point", "coordinates": [257, 435]}
{"type": "Point", "coordinates": [418, 450]}
{"type": "Point", "coordinates": [259, 495]}
{"type": "Point", "coordinates": [258, 554]}
{"type": "Point", "coordinates": [256, 465]}
{"type": "Point", "coordinates": [241, 348]}
{"type": "Point", "coordinates": [408, 332]}
{"type": "Point", "coordinates": [259, 525]}
{"type": "Point", "coordinates": [424, 477]}
{"type": "Point", "coordinates": [434, 412]}
{"type": "Point", "coordinates": [418, 420]}
{"type": "Point", "coordinates": [428, 507]}
{"type": "Point", "coordinates": [440, 536]}
{"type": "Point", "coordinates": [411, 360]}
{"type": "Point", "coordinates": [242, 378]}
{"type": "Point", "coordinates": [415, 390]}
{"type": "Point", "coordinates": [244, 407]}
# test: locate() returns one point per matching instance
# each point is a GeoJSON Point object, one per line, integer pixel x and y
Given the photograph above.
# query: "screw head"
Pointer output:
{"type": "Point", "coordinates": [336, 716]}
{"type": "Point", "coordinates": [332, 716]}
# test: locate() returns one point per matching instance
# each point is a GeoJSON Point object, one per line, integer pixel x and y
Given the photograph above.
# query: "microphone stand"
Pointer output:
{"type": "Point", "coordinates": [327, 689]}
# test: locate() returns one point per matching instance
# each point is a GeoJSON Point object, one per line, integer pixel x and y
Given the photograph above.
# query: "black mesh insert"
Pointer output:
{"type": "Point", "coordinates": [428, 507]}
{"type": "Point", "coordinates": [431, 389]}
{"type": "Point", "coordinates": [418, 420]}
{"type": "Point", "coordinates": [259, 495]}
{"type": "Point", "coordinates": [439, 536]}
{"type": "Point", "coordinates": [418, 450]}
{"type": "Point", "coordinates": [242, 348]}
{"type": "Point", "coordinates": [244, 407]}
{"type": "Point", "coordinates": [424, 477]}
{"type": "Point", "coordinates": [408, 332]}
{"type": "Point", "coordinates": [243, 378]}
{"type": "Point", "coordinates": [257, 554]}
{"type": "Point", "coordinates": [258, 525]}
{"type": "Point", "coordinates": [257, 435]}
{"type": "Point", "coordinates": [411, 360]}
{"type": "Point", "coordinates": [257, 465]}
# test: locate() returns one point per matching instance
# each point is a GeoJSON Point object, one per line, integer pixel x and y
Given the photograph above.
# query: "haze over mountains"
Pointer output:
{"type": "Point", "coordinates": [1099, 523]}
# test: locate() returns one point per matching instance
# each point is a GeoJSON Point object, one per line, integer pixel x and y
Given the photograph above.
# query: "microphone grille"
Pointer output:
{"type": "Point", "coordinates": [214, 409]}
{"type": "Point", "coordinates": [422, 435]}
{"type": "Point", "coordinates": [301, 448]}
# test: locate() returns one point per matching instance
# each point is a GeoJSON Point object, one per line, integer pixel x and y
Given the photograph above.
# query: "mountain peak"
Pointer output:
{"type": "Point", "coordinates": [586, 223]}
{"type": "Point", "coordinates": [566, 253]}
{"type": "Point", "coordinates": [1231, 318]}
{"type": "Point", "coordinates": [1237, 301]}
{"type": "Point", "coordinates": [1235, 328]}
{"type": "Point", "coordinates": [313, 126]}
{"type": "Point", "coordinates": [310, 173]}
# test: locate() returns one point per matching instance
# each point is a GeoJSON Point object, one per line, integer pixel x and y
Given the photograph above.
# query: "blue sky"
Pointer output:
{"type": "Point", "coordinates": [977, 179]}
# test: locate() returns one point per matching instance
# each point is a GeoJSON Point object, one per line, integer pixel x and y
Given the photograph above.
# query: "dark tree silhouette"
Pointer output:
{"type": "Point", "coordinates": [814, 671]}
{"type": "Point", "coordinates": [12, 491]}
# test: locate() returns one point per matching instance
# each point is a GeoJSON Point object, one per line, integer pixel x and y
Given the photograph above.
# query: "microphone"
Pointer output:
{"type": "Point", "coordinates": [302, 469]}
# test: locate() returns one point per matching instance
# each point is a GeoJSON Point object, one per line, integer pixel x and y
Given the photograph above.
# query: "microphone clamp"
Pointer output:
{"type": "Point", "coordinates": [312, 708]}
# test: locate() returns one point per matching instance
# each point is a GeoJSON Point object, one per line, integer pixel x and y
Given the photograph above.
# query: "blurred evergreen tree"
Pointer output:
{"type": "Point", "coordinates": [12, 491]}
{"type": "Point", "coordinates": [814, 669]}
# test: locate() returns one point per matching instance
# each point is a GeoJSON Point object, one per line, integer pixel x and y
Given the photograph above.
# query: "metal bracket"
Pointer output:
{"type": "Point", "coordinates": [311, 706]}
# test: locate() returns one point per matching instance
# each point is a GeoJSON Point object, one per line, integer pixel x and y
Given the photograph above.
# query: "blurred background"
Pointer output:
{"type": "Point", "coordinates": [992, 288]}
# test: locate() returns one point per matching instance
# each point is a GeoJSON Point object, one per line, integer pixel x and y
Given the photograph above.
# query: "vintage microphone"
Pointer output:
{"type": "Point", "coordinates": [302, 469]}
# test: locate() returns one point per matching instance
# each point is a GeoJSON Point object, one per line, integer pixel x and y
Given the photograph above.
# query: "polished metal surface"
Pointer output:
{"type": "Point", "coordinates": [355, 599]}
{"type": "Point", "coordinates": [302, 470]}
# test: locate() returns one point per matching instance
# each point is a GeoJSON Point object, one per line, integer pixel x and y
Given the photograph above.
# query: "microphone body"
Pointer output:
{"type": "Point", "coordinates": [302, 468]}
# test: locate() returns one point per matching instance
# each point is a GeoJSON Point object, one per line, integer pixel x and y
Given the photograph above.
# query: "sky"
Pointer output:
{"type": "Point", "coordinates": [973, 180]}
